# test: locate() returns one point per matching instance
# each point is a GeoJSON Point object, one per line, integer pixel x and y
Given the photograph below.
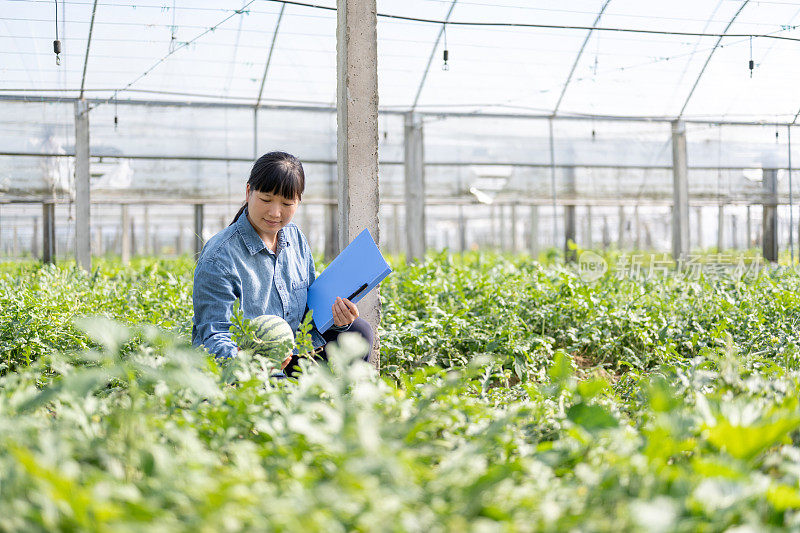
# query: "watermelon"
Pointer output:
{"type": "Point", "coordinates": [272, 336]}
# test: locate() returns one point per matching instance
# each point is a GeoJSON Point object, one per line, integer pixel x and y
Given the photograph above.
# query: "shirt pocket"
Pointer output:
{"type": "Point", "coordinates": [298, 297]}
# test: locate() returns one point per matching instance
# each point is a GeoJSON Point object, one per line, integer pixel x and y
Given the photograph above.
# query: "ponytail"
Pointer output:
{"type": "Point", "coordinates": [241, 210]}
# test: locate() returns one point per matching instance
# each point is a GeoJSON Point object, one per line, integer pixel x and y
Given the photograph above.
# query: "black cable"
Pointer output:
{"type": "Point", "coordinates": [551, 26]}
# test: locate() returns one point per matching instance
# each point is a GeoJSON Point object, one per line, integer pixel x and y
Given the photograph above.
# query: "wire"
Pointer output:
{"type": "Point", "coordinates": [553, 26]}
{"type": "Point", "coordinates": [57, 42]}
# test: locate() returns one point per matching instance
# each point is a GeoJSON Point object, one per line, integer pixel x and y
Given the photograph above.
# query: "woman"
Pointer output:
{"type": "Point", "coordinates": [264, 260]}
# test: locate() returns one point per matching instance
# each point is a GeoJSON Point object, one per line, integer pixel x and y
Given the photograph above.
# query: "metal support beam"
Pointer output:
{"type": "Point", "coordinates": [621, 227]}
{"type": "Point", "coordinates": [357, 134]}
{"type": "Point", "coordinates": [88, 45]}
{"type": "Point", "coordinates": [578, 57]}
{"type": "Point", "coordinates": [680, 192]}
{"type": "Point", "coordinates": [720, 227]}
{"type": "Point", "coordinates": [125, 222]}
{"type": "Point", "coordinates": [198, 230]}
{"type": "Point", "coordinates": [708, 59]}
{"type": "Point", "coordinates": [48, 232]}
{"type": "Point", "coordinates": [769, 216]}
{"type": "Point", "coordinates": [414, 188]}
{"type": "Point", "coordinates": [83, 246]}
{"type": "Point", "coordinates": [269, 56]}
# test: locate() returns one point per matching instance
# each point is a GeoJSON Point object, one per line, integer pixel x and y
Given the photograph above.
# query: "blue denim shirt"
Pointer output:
{"type": "Point", "coordinates": [235, 263]}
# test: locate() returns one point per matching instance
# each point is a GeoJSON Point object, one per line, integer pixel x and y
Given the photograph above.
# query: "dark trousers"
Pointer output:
{"type": "Point", "coordinates": [359, 326]}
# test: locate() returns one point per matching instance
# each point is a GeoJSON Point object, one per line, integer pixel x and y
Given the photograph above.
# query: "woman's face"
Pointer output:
{"type": "Point", "coordinates": [269, 212]}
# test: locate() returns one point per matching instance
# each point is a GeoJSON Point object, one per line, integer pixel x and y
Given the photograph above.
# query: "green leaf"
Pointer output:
{"type": "Point", "coordinates": [745, 442]}
{"type": "Point", "coordinates": [591, 417]}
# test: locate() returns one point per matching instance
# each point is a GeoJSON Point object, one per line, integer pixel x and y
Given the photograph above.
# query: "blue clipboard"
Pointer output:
{"type": "Point", "coordinates": [356, 270]}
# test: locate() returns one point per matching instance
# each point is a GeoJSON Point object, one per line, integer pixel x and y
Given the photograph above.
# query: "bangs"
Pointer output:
{"type": "Point", "coordinates": [280, 174]}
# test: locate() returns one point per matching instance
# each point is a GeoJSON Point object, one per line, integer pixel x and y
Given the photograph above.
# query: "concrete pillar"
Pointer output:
{"type": "Point", "coordinates": [502, 231]}
{"type": "Point", "coordinates": [35, 239]}
{"type": "Point", "coordinates": [734, 231]}
{"type": "Point", "coordinates": [680, 191]}
{"type": "Point", "coordinates": [533, 236]}
{"type": "Point", "coordinates": [588, 241]}
{"type": "Point", "coordinates": [414, 187]}
{"type": "Point", "coordinates": [127, 230]}
{"type": "Point", "coordinates": [83, 247]}
{"type": "Point", "coordinates": [462, 230]}
{"type": "Point", "coordinates": [700, 228]}
{"type": "Point", "coordinates": [305, 223]}
{"type": "Point", "coordinates": [397, 243]}
{"type": "Point", "coordinates": [621, 228]}
{"type": "Point", "coordinates": [514, 226]}
{"type": "Point", "coordinates": [148, 250]}
{"type": "Point", "coordinates": [637, 223]}
{"type": "Point", "coordinates": [48, 232]}
{"type": "Point", "coordinates": [179, 239]}
{"type": "Point", "coordinates": [332, 218]}
{"type": "Point", "coordinates": [198, 230]}
{"type": "Point", "coordinates": [357, 141]}
{"type": "Point", "coordinates": [606, 233]}
{"type": "Point", "coordinates": [748, 230]}
{"type": "Point", "coordinates": [493, 225]}
{"type": "Point", "coordinates": [769, 216]}
{"type": "Point", "coordinates": [720, 227]}
{"type": "Point", "coordinates": [134, 242]}
{"type": "Point", "coordinates": [98, 240]}
{"type": "Point", "coordinates": [15, 242]}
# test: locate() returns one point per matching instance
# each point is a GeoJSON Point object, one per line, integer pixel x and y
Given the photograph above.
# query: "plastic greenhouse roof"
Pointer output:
{"type": "Point", "coordinates": [217, 52]}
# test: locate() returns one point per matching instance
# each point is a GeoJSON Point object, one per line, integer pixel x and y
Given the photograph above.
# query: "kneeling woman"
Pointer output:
{"type": "Point", "coordinates": [264, 260]}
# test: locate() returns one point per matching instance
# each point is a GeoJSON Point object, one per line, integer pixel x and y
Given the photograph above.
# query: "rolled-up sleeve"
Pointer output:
{"type": "Point", "coordinates": [215, 290]}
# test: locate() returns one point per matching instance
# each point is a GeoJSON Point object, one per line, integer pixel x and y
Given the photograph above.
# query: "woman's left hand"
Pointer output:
{"type": "Point", "coordinates": [344, 312]}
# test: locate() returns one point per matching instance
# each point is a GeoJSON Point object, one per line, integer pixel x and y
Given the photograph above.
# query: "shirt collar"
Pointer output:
{"type": "Point", "coordinates": [251, 239]}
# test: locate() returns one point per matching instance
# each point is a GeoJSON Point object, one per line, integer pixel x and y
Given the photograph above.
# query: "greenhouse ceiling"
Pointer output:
{"type": "Point", "coordinates": [620, 58]}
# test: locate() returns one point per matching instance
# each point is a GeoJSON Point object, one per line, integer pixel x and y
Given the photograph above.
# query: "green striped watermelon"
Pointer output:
{"type": "Point", "coordinates": [273, 336]}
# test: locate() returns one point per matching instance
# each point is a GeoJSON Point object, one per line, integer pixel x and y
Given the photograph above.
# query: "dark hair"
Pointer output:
{"type": "Point", "coordinates": [276, 173]}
